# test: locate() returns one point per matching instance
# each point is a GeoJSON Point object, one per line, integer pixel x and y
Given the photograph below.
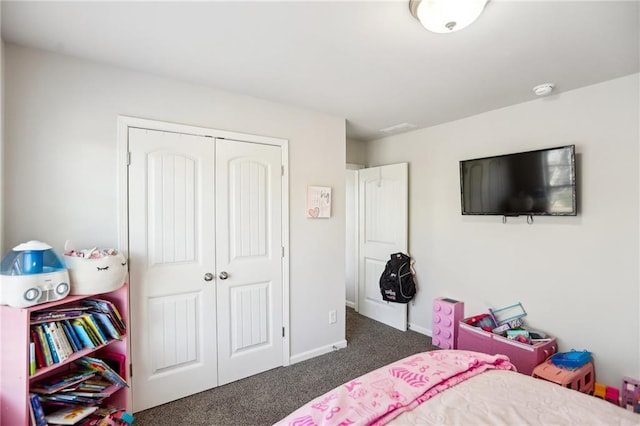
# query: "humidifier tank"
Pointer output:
{"type": "Point", "coordinates": [32, 273]}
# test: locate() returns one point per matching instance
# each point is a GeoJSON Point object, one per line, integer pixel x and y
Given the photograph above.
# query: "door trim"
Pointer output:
{"type": "Point", "coordinates": [126, 122]}
{"type": "Point", "coordinates": [356, 243]}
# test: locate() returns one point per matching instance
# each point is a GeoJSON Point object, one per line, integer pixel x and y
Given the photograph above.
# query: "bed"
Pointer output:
{"type": "Point", "coordinates": [455, 387]}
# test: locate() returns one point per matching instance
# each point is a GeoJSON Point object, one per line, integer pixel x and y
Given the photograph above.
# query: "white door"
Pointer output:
{"type": "Point", "coordinates": [181, 317]}
{"type": "Point", "coordinates": [383, 230]}
{"type": "Point", "coordinates": [171, 248]}
{"type": "Point", "coordinates": [249, 254]}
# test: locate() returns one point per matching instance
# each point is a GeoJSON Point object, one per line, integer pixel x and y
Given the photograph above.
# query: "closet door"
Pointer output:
{"type": "Point", "coordinates": [171, 253]}
{"type": "Point", "coordinates": [248, 258]}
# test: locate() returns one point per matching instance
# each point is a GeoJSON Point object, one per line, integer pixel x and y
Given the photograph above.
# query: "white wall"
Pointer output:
{"type": "Point", "coordinates": [577, 277]}
{"type": "Point", "coordinates": [61, 167]}
{"type": "Point", "coordinates": [356, 152]}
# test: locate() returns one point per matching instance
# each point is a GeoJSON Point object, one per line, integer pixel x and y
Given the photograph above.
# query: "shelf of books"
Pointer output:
{"type": "Point", "coordinates": [65, 362]}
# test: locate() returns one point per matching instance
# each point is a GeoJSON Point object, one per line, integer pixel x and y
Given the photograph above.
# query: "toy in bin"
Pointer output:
{"type": "Point", "coordinates": [95, 270]}
{"type": "Point", "coordinates": [32, 273]}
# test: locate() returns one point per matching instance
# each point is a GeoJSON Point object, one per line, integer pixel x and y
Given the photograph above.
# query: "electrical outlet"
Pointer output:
{"type": "Point", "coordinates": [332, 317]}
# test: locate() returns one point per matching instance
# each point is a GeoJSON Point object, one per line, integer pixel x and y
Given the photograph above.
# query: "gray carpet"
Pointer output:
{"type": "Point", "coordinates": [268, 397]}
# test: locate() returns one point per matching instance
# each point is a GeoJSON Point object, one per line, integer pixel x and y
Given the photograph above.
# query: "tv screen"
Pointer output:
{"type": "Point", "coordinates": [541, 182]}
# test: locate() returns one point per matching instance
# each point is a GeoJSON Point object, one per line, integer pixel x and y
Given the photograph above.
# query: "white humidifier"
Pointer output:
{"type": "Point", "coordinates": [32, 273]}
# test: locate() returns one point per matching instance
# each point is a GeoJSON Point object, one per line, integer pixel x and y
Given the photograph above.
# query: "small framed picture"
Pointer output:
{"type": "Point", "coordinates": [318, 202]}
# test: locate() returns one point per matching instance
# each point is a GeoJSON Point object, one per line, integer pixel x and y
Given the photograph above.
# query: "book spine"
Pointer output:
{"type": "Point", "coordinates": [105, 321]}
{"type": "Point", "coordinates": [46, 349]}
{"type": "Point", "coordinates": [96, 329]}
{"type": "Point", "coordinates": [71, 336]}
{"type": "Point", "coordinates": [64, 342]}
{"type": "Point", "coordinates": [52, 345]}
{"type": "Point", "coordinates": [40, 361]}
{"type": "Point", "coordinates": [79, 327]}
{"type": "Point", "coordinates": [32, 358]}
{"type": "Point", "coordinates": [38, 412]}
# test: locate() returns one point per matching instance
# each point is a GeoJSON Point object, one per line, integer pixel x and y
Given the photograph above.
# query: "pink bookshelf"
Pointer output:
{"type": "Point", "coordinates": [14, 356]}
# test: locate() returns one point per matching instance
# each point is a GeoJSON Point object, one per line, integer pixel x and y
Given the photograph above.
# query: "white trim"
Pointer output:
{"type": "Point", "coordinates": [318, 351]}
{"type": "Point", "coordinates": [356, 244]}
{"type": "Point", "coordinates": [286, 345]}
{"type": "Point", "coordinates": [125, 122]}
{"type": "Point", "coordinates": [421, 330]}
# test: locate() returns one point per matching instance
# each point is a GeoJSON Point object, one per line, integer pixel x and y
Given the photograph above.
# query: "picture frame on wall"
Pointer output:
{"type": "Point", "coordinates": [318, 202]}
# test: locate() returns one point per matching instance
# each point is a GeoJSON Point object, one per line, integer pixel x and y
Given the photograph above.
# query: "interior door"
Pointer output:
{"type": "Point", "coordinates": [383, 230]}
{"type": "Point", "coordinates": [171, 251]}
{"type": "Point", "coordinates": [249, 258]}
{"type": "Point", "coordinates": [205, 248]}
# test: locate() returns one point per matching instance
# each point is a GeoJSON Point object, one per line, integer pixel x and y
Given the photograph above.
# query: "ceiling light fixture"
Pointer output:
{"type": "Point", "coordinates": [446, 16]}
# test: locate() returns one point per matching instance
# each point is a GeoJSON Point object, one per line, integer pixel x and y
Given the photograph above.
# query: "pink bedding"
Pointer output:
{"type": "Point", "coordinates": [383, 394]}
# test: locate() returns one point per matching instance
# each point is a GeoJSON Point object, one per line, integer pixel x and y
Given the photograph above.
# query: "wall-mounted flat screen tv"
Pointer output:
{"type": "Point", "coordinates": [541, 182]}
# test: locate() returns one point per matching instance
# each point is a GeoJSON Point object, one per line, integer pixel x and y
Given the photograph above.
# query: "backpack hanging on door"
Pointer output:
{"type": "Point", "coordinates": [396, 281]}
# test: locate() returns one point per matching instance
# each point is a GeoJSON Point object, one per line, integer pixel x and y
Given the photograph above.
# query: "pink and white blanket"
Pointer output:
{"type": "Point", "coordinates": [380, 395]}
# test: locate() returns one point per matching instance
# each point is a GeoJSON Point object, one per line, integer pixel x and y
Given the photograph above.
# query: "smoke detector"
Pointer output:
{"type": "Point", "coordinates": [543, 89]}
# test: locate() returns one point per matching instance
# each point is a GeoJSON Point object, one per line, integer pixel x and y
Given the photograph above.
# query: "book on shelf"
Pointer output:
{"type": "Point", "coordinates": [52, 347]}
{"type": "Point", "coordinates": [109, 308]}
{"type": "Point", "coordinates": [40, 359]}
{"type": "Point", "coordinates": [95, 328]}
{"type": "Point", "coordinates": [80, 327]}
{"type": "Point", "coordinates": [104, 321]}
{"type": "Point", "coordinates": [70, 415]}
{"type": "Point", "coordinates": [32, 358]}
{"type": "Point", "coordinates": [62, 381]}
{"type": "Point", "coordinates": [62, 337]}
{"type": "Point", "coordinates": [58, 313]}
{"type": "Point", "coordinates": [102, 368]}
{"type": "Point", "coordinates": [76, 345]}
{"type": "Point", "coordinates": [38, 411]}
{"type": "Point", "coordinates": [44, 343]}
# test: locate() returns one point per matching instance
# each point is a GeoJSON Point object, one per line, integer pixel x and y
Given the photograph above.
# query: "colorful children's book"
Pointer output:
{"type": "Point", "coordinates": [70, 415]}
{"type": "Point", "coordinates": [38, 412]}
{"type": "Point", "coordinates": [58, 382]}
{"type": "Point", "coordinates": [103, 369]}
{"type": "Point", "coordinates": [80, 328]}
{"type": "Point", "coordinates": [46, 349]}
{"type": "Point", "coordinates": [105, 322]}
{"type": "Point", "coordinates": [110, 309]}
{"type": "Point", "coordinates": [40, 361]}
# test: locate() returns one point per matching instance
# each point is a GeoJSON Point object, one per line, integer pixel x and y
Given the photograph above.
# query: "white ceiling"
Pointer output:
{"type": "Point", "coordinates": [370, 62]}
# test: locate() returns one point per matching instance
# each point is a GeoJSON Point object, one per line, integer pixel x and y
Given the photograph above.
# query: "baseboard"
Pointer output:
{"type": "Point", "coordinates": [350, 304]}
{"type": "Point", "coordinates": [421, 330]}
{"type": "Point", "coordinates": [318, 351]}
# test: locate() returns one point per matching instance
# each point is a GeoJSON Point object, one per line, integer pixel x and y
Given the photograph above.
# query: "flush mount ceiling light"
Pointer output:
{"type": "Point", "coordinates": [446, 16]}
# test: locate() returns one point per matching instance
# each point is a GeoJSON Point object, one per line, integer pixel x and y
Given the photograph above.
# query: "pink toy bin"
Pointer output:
{"type": "Point", "coordinates": [96, 275]}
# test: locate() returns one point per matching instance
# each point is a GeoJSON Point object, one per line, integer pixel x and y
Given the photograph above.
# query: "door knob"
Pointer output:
{"type": "Point", "coordinates": [208, 276]}
{"type": "Point", "coordinates": [223, 275]}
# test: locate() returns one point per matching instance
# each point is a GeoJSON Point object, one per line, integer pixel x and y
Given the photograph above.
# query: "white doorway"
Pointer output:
{"type": "Point", "coordinates": [209, 288]}
{"type": "Point", "coordinates": [382, 229]}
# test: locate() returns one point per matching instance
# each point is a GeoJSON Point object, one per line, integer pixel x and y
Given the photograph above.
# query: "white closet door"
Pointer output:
{"type": "Point", "coordinates": [171, 249]}
{"type": "Point", "coordinates": [249, 255]}
{"type": "Point", "coordinates": [205, 237]}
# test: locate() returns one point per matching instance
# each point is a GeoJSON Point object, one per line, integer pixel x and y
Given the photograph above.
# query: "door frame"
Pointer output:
{"type": "Point", "coordinates": [351, 167]}
{"type": "Point", "coordinates": [126, 122]}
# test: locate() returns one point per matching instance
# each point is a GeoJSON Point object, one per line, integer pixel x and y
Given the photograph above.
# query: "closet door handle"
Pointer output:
{"type": "Point", "coordinates": [223, 275]}
{"type": "Point", "coordinates": [208, 276]}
